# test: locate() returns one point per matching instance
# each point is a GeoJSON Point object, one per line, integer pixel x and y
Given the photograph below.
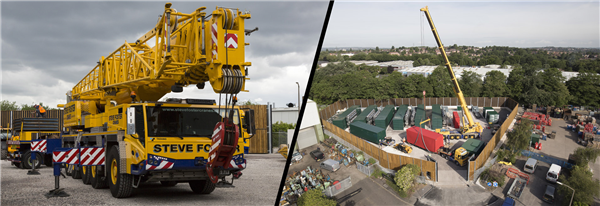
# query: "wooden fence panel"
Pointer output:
{"type": "Point", "coordinates": [259, 144]}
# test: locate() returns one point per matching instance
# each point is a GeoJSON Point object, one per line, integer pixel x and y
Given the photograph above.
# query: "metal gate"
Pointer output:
{"type": "Point", "coordinates": [367, 170]}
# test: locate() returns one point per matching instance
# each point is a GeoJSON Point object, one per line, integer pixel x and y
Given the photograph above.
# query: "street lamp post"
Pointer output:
{"type": "Point", "coordinates": [560, 183]}
{"type": "Point", "coordinates": [298, 97]}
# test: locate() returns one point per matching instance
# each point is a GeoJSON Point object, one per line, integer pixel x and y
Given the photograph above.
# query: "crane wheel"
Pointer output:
{"type": "Point", "coordinates": [27, 163]}
{"type": "Point", "coordinates": [202, 186]}
{"type": "Point", "coordinates": [121, 185]}
{"type": "Point", "coordinates": [97, 178]}
{"type": "Point", "coordinates": [86, 176]}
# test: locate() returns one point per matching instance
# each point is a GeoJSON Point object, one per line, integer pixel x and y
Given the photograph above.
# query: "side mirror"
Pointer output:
{"type": "Point", "coordinates": [249, 121]}
{"type": "Point", "coordinates": [131, 120]}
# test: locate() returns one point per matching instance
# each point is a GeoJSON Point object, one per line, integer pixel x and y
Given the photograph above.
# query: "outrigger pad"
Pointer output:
{"type": "Point", "coordinates": [58, 192]}
{"type": "Point", "coordinates": [224, 184]}
{"type": "Point", "coordinates": [33, 172]}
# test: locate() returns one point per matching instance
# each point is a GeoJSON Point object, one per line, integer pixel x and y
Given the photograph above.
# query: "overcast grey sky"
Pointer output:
{"type": "Point", "coordinates": [47, 47]}
{"type": "Point", "coordinates": [515, 24]}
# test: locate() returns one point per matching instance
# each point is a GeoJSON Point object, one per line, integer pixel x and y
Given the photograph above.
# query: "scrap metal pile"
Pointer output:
{"type": "Point", "coordinates": [302, 181]}
{"type": "Point", "coordinates": [344, 156]}
{"type": "Point", "coordinates": [541, 119]}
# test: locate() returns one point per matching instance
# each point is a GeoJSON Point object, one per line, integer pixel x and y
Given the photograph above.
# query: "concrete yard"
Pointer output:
{"type": "Point", "coordinates": [257, 186]}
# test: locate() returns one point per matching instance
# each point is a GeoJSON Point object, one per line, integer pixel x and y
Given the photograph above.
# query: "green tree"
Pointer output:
{"type": "Point", "coordinates": [585, 89]}
{"type": "Point", "coordinates": [404, 178]}
{"type": "Point", "coordinates": [585, 155]}
{"type": "Point", "coordinates": [420, 84]}
{"type": "Point", "coordinates": [470, 84]}
{"type": "Point", "coordinates": [519, 138]}
{"type": "Point", "coordinates": [248, 102]}
{"type": "Point", "coordinates": [515, 83]}
{"type": "Point", "coordinates": [440, 80]}
{"type": "Point", "coordinates": [377, 48]}
{"type": "Point", "coordinates": [553, 84]}
{"type": "Point", "coordinates": [585, 186]}
{"type": "Point", "coordinates": [6, 105]}
{"type": "Point", "coordinates": [494, 84]}
{"type": "Point", "coordinates": [282, 126]}
{"type": "Point", "coordinates": [315, 197]}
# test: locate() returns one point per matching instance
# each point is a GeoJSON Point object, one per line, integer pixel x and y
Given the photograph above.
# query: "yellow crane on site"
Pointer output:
{"type": "Point", "coordinates": [116, 106]}
{"type": "Point", "coordinates": [470, 127]}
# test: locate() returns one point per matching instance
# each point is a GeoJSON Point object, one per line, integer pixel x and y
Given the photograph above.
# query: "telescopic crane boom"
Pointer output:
{"type": "Point", "coordinates": [472, 126]}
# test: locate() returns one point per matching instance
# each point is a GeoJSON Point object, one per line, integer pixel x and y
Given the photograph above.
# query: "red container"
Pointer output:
{"type": "Point", "coordinates": [456, 120]}
{"type": "Point", "coordinates": [433, 140]}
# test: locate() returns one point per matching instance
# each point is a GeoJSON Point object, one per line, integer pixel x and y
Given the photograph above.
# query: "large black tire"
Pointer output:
{"type": "Point", "coordinates": [4, 154]}
{"type": "Point", "coordinates": [120, 184]}
{"type": "Point", "coordinates": [76, 172]}
{"type": "Point", "coordinates": [202, 186]}
{"type": "Point", "coordinates": [26, 160]}
{"type": "Point", "coordinates": [97, 178]}
{"type": "Point", "coordinates": [86, 177]}
{"type": "Point", "coordinates": [48, 161]}
{"type": "Point", "coordinates": [168, 183]}
{"type": "Point", "coordinates": [17, 164]}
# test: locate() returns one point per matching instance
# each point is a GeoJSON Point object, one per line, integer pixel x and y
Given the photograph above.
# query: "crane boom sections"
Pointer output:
{"type": "Point", "coordinates": [472, 125]}
{"type": "Point", "coordinates": [188, 49]}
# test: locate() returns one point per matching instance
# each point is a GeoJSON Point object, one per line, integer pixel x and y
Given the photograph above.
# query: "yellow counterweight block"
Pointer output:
{"type": "Point", "coordinates": [225, 35]}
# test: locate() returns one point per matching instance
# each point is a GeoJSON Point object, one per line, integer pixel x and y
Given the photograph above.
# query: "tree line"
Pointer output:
{"type": "Point", "coordinates": [566, 59]}
{"type": "Point", "coordinates": [6, 105]}
{"type": "Point", "coordinates": [526, 84]}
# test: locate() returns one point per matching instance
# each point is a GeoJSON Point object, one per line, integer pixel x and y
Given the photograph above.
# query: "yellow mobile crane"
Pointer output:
{"type": "Point", "coordinates": [115, 106]}
{"type": "Point", "coordinates": [472, 128]}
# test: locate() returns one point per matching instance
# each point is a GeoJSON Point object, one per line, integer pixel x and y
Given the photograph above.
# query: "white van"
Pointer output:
{"type": "Point", "coordinates": [530, 165]}
{"type": "Point", "coordinates": [553, 173]}
{"type": "Point", "coordinates": [330, 165]}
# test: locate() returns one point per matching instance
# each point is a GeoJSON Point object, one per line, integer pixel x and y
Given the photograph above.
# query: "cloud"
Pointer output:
{"type": "Point", "coordinates": [50, 46]}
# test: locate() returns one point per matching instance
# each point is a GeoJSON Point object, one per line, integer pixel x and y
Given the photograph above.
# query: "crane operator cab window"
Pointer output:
{"type": "Point", "coordinates": [184, 121]}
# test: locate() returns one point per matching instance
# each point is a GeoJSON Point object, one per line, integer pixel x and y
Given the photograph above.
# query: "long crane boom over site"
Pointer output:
{"type": "Point", "coordinates": [472, 125]}
{"type": "Point", "coordinates": [185, 52]}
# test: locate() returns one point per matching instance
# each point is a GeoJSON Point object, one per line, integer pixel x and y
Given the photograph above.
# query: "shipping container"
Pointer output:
{"type": "Point", "coordinates": [385, 116]}
{"type": "Point", "coordinates": [436, 117]}
{"type": "Point", "coordinates": [486, 110]}
{"type": "Point", "coordinates": [420, 115]}
{"type": "Point", "coordinates": [367, 132]}
{"type": "Point", "coordinates": [400, 117]}
{"type": "Point", "coordinates": [425, 139]}
{"type": "Point", "coordinates": [342, 119]}
{"type": "Point", "coordinates": [456, 120]}
{"type": "Point", "coordinates": [473, 146]}
{"type": "Point", "coordinates": [363, 115]}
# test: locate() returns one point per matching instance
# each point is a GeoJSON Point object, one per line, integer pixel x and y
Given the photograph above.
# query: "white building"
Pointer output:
{"type": "Point", "coordinates": [311, 130]}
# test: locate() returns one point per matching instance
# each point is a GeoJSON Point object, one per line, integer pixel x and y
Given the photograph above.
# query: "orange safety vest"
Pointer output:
{"type": "Point", "coordinates": [42, 110]}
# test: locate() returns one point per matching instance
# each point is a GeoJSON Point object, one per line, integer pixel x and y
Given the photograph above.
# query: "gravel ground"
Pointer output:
{"type": "Point", "coordinates": [257, 186]}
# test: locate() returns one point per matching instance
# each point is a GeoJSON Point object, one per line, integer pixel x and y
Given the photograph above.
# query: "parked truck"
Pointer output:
{"type": "Point", "coordinates": [19, 145]}
{"type": "Point", "coordinates": [115, 108]}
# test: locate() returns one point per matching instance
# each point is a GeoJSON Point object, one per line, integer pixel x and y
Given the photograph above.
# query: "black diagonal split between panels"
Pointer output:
{"type": "Point", "coordinates": [308, 85]}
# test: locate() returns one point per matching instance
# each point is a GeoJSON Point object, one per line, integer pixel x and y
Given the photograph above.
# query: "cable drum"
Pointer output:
{"type": "Point", "coordinates": [232, 81]}
{"type": "Point", "coordinates": [228, 18]}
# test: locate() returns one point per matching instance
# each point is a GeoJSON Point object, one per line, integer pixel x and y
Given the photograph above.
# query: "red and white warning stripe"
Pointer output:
{"type": "Point", "coordinates": [214, 30]}
{"type": "Point", "coordinates": [38, 146]}
{"type": "Point", "coordinates": [163, 165]}
{"type": "Point", "coordinates": [92, 156]}
{"type": "Point", "coordinates": [236, 166]}
{"type": "Point", "coordinates": [231, 41]}
{"type": "Point", "coordinates": [69, 157]}
{"type": "Point", "coordinates": [217, 142]}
